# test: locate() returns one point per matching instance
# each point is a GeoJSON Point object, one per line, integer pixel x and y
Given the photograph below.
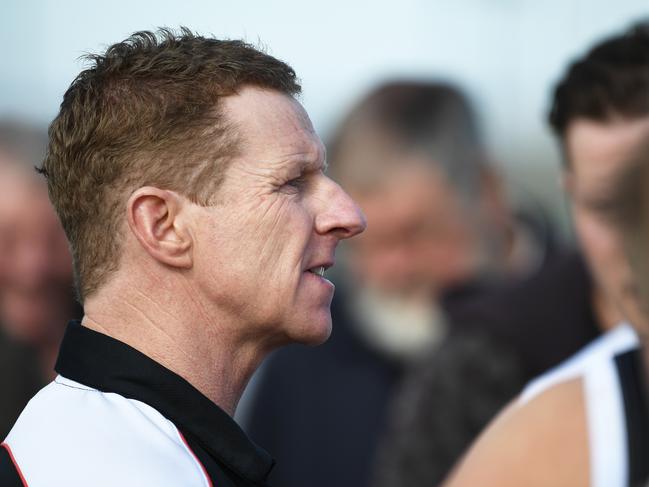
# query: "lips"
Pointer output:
{"type": "Point", "coordinates": [320, 268]}
{"type": "Point", "coordinates": [319, 271]}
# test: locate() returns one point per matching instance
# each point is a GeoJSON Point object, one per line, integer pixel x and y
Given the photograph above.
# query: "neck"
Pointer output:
{"type": "Point", "coordinates": [209, 351]}
{"type": "Point", "coordinates": [606, 313]}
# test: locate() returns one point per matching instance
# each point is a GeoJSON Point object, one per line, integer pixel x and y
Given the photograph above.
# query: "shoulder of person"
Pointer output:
{"type": "Point", "coordinates": [70, 434]}
{"type": "Point", "coordinates": [538, 443]}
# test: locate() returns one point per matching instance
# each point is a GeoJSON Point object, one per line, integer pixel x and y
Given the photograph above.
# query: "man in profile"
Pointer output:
{"type": "Point", "coordinates": [191, 186]}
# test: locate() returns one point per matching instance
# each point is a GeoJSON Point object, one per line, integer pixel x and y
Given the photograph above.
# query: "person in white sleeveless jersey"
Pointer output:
{"type": "Point", "coordinates": [585, 423]}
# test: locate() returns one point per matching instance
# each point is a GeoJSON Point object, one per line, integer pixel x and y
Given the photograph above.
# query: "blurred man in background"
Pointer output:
{"type": "Point", "coordinates": [36, 293]}
{"type": "Point", "coordinates": [578, 425]}
{"type": "Point", "coordinates": [411, 155]}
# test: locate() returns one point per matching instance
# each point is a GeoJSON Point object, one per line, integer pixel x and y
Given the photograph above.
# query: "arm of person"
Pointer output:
{"type": "Point", "coordinates": [543, 442]}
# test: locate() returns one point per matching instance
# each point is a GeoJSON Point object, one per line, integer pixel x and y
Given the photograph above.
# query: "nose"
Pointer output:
{"type": "Point", "coordinates": [340, 215]}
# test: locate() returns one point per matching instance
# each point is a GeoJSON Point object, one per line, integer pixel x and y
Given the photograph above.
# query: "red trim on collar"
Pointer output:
{"type": "Point", "coordinates": [182, 437]}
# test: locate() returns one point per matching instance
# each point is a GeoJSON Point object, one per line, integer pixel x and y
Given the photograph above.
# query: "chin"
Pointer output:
{"type": "Point", "coordinates": [312, 331]}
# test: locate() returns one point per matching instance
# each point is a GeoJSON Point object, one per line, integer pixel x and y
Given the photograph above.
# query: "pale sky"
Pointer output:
{"type": "Point", "coordinates": [505, 53]}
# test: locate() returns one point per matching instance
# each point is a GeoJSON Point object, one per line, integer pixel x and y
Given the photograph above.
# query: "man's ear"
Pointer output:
{"type": "Point", "coordinates": [155, 218]}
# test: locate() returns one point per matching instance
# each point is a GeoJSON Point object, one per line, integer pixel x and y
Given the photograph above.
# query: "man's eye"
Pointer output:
{"type": "Point", "coordinates": [297, 183]}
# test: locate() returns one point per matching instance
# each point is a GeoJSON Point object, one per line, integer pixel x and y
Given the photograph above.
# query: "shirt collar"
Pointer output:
{"type": "Point", "coordinates": [102, 362]}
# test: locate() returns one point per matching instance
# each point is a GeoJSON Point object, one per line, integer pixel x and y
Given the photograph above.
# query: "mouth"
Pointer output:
{"type": "Point", "coordinates": [319, 270]}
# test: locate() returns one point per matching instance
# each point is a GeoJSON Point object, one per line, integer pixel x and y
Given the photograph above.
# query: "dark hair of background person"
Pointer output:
{"type": "Point", "coordinates": [146, 112]}
{"type": "Point", "coordinates": [432, 118]}
{"type": "Point", "coordinates": [612, 80]}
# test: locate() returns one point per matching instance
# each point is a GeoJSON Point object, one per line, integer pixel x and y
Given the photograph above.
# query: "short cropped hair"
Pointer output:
{"type": "Point", "coordinates": [147, 112]}
{"type": "Point", "coordinates": [610, 81]}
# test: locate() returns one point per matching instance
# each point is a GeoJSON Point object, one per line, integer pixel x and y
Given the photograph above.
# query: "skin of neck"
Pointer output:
{"type": "Point", "coordinates": [160, 313]}
{"type": "Point", "coordinates": [607, 315]}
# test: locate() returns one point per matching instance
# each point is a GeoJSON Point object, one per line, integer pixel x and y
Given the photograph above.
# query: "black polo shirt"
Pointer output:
{"type": "Point", "coordinates": [114, 416]}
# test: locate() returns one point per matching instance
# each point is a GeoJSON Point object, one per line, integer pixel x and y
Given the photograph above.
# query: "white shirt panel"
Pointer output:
{"type": "Point", "coordinates": [595, 365]}
{"type": "Point", "coordinates": [606, 426]}
{"type": "Point", "coordinates": [604, 348]}
{"type": "Point", "coordinates": [73, 435]}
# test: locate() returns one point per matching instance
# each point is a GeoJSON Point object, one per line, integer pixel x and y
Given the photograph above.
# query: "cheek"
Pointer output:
{"type": "Point", "coordinates": [284, 236]}
{"type": "Point", "coordinates": [597, 240]}
{"type": "Point", "coordinates": [449, 261]}
{"type": "Point", "coordinates": [266, 244]}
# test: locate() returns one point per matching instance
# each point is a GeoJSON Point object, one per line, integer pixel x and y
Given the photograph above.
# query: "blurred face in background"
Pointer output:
{"type": "Point", "coordinates": [598, 153]}
{"type": "Point", "coordinates": [35, 264]}
{"type": "Point", "coordinates": [419, 240]}
{"type": "Point", "coordinates": [425, 233]}
{"type": "Point", "coordinates": [632, 217]}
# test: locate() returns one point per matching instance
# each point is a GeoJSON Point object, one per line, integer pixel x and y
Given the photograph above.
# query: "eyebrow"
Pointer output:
{"type": "Point", "coordinates": [311, 161]}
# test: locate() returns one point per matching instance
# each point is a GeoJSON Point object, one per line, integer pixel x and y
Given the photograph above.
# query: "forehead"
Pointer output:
{"type": "Point", "coordinates": [274, 127]}
{"type": "Point", "coordinates": [598, 151]}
